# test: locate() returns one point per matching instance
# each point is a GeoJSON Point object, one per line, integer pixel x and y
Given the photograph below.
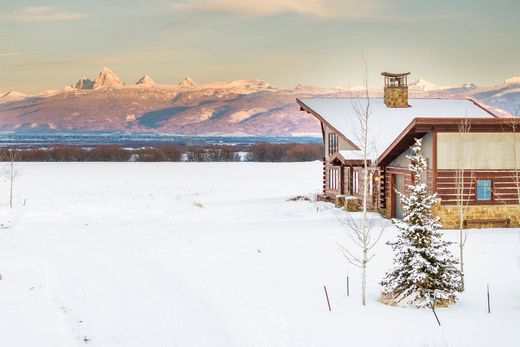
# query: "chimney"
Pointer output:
{"type": "Point", "coordinates": [396, 89]}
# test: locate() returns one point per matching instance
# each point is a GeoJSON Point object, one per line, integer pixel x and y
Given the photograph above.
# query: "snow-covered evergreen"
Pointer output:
{"type": "Point", "coordinates": [424, 269]}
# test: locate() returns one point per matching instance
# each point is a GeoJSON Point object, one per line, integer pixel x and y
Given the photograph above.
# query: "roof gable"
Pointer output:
{"type": "Point", "coordinates": [386, 124]}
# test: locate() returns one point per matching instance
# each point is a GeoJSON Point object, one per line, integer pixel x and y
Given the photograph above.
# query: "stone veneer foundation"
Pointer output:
{"type": "Point", "coordinates": [449, 214]}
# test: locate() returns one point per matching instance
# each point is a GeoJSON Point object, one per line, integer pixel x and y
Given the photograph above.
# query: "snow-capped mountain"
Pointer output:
{"type": "Point", "coordinates": [107, 78]}
{"type": "Point", "coordinates": [187, 82]}
{"type": "Point", "coordinates": [145, 80]}
{"type": "Point", "coordinates": [84, 83]}
{"type": "Point", "coordinates": [469, 86]}
{"type": "Point", "coordinates": [424, 85]}
{"type": "Point", "coordinates": [242, 107]}
{"type": "Point", "coordinates": [11, 96]}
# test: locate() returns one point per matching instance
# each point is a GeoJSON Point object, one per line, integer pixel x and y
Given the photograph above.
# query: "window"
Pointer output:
{"type": "Point", "coordinates": [334, 178]}
{"type": "Point", "coordinates": [333, 143]}
{"type": "Point", "coordinates": [355, 183]}
{"type": "Point", "coordinates": [484, 189]}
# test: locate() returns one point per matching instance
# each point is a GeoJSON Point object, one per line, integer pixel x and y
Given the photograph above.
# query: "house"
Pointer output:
{"type": "Point", "coordinates": [486, 154]}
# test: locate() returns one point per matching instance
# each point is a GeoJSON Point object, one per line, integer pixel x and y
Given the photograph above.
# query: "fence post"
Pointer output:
{"type": "Point", "coordinates": [327, 296]}
{"type": "Point", "coordinates": [488, 302]}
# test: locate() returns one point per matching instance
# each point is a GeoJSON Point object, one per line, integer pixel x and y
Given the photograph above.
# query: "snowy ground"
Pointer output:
{"type": "Point", "coordinates": [212, 254]}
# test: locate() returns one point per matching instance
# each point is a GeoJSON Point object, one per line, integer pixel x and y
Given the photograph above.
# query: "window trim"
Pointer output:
{"type": "Point", "coordinates": [484, 202]}
{"type": "Point", "coordinates": [334, 178]}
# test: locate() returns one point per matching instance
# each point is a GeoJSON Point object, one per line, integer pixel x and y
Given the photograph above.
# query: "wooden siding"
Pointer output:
{"type": "Point", "coordinates": [504, 187]}
{"type": "Point", "coordinates": [346, 188]}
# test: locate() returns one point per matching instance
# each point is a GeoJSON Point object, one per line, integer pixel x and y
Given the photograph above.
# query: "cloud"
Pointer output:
{"type": "Point", "coordinates": [41, 14]}
{"type": "Point", "coordinates": [9, 54]}
{"type": "Point", "coordinates": [380, 10]}
{"type": "Point", "coordinates": [255, 8]}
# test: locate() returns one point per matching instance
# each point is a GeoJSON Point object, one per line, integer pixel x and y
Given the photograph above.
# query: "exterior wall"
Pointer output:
{"type": "Point", "coordinates": [450, 216]}
{"type": "Point", "coordinates": [389, 194]}
{"type": "Point", "coordinates": [342, 143]}
{"type": "Point", "coordinates": [396, 97]}
{"type": "Point", "coordinates": [373, 201]}
{"type": "Point", "coordinates": [505, 204]}
{"type": "Point", "coordinates": [326, 190]}
{"type": "Point", "coordinates": [347, 173]}
{"type": "Point", "coordinates": [482, 155]}
{"type": "Point", "coordinates": [483, 151]}
{"type": "Point", "coordinates": [400, 166]}
{"type": "Point", "coordinates": [427, 152]}
{"type": "Point", "coordinates": [504, 189]}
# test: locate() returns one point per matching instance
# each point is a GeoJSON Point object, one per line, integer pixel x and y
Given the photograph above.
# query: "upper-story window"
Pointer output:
{"type": "Point", "coordinates": [333, 143]}
{"type": "Point", "coordinates": [484, 187]}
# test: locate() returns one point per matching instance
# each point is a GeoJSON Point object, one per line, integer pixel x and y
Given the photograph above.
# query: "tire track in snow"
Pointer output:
{"type": "Point", "coordinates": [252, 323]}
{"type": "Point", "coordinates": [140, 301]}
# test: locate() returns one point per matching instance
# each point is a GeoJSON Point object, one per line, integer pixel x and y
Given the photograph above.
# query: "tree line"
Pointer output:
{"type": "Point", "coordinates": [261, 152]}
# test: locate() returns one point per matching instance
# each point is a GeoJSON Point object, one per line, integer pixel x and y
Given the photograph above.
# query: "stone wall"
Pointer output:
{"type": "Point", "coordinates": [449, 214]}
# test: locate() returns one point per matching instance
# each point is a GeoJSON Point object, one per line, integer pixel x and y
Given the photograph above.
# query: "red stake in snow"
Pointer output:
{"type": "Point", "coordinates": [327, 296]}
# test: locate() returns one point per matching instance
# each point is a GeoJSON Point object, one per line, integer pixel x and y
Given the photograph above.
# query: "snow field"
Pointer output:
{"type": "Point", "coordinates": [214, 254]}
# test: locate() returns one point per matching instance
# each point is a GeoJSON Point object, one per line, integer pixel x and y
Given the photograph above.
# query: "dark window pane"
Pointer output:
{"type": "Point", "coordinates": [333, 143]}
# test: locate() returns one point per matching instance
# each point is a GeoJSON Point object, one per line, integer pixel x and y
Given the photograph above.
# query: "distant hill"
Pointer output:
{"type": "Point", "coordinates": [232, 108]}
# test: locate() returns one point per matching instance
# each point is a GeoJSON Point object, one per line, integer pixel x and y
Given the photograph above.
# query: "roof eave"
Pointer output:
{"type": "Point", "coordinates": [304, 107]}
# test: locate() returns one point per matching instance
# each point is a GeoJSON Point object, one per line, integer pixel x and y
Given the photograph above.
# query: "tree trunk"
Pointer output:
{"type": "Point", "coordinates": [461, 246]}
{"type": "Point", "coordinates": [11, 177]}
{"type": "Point", "coordinates": [364, 278]}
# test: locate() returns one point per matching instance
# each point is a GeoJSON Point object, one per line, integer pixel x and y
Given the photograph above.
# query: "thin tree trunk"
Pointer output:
{"type": "Point", "coordinates": [462, 198]}
{"type": "Point", "coordinates": [11, 177]}
{"type": "Point", "coordinates": [461, 245]}
{"type": "Point", "coordinates": [364, 277]}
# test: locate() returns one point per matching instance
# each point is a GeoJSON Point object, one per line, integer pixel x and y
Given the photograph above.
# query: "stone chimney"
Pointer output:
{"type": "Point", "coordinates": [396, 89]}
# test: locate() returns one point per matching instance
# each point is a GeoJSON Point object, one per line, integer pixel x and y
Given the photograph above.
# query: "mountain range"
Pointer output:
{"type": "Point", "coordinates": [236, 108]}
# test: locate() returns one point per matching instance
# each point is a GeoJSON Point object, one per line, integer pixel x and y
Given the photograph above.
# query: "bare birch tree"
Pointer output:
{"type": "Point", "coordinates": [515, 125]}
{"type": "Point", "coordinates": [362, 233]}
{"type": "Point", "coordinates": [463, 188]}
{"type": "Point", "coordinates": [10, 171]}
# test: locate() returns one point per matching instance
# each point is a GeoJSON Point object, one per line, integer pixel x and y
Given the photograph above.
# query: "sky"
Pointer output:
{"type": "Point", "coordinates": [50, 44]}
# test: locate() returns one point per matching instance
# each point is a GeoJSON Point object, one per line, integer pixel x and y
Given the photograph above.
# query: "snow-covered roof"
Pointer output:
{"type": "Point", "coordinates": [385, 124]}
{"type": "Point", "coordinates": [351, 154]}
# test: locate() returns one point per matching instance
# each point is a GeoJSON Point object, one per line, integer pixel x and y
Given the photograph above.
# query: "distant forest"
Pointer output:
{"type": "Point", "coordinates": [260, 152]}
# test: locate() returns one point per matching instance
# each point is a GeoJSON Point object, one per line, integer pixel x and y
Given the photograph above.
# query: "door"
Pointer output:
{"type": "Point", "coordinates": [397, 206]}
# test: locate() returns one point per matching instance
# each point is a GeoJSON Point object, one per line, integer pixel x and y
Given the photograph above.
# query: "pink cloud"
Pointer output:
{"type": "Point", "coordinates": [41, 14]}
{"type": "Point", "coordinates": [315, 8]}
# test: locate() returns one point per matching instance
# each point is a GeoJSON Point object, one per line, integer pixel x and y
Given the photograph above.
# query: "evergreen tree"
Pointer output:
{"type": "Point", "coordinates": [424, 272]}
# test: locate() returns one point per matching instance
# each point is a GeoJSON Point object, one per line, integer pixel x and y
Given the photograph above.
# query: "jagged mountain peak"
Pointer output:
{"type": "Point", "coordinates": [145, 80]}
{"type": "Point", "coordinates": [187, 82]}
{"type": "Point", "coordinates": [84, 83]}
{"type": "Point", "coordinates": [107, 78]}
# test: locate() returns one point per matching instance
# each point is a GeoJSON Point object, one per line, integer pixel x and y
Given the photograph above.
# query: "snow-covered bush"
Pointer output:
{"type": "Point", "coordinates": [424, 272]}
